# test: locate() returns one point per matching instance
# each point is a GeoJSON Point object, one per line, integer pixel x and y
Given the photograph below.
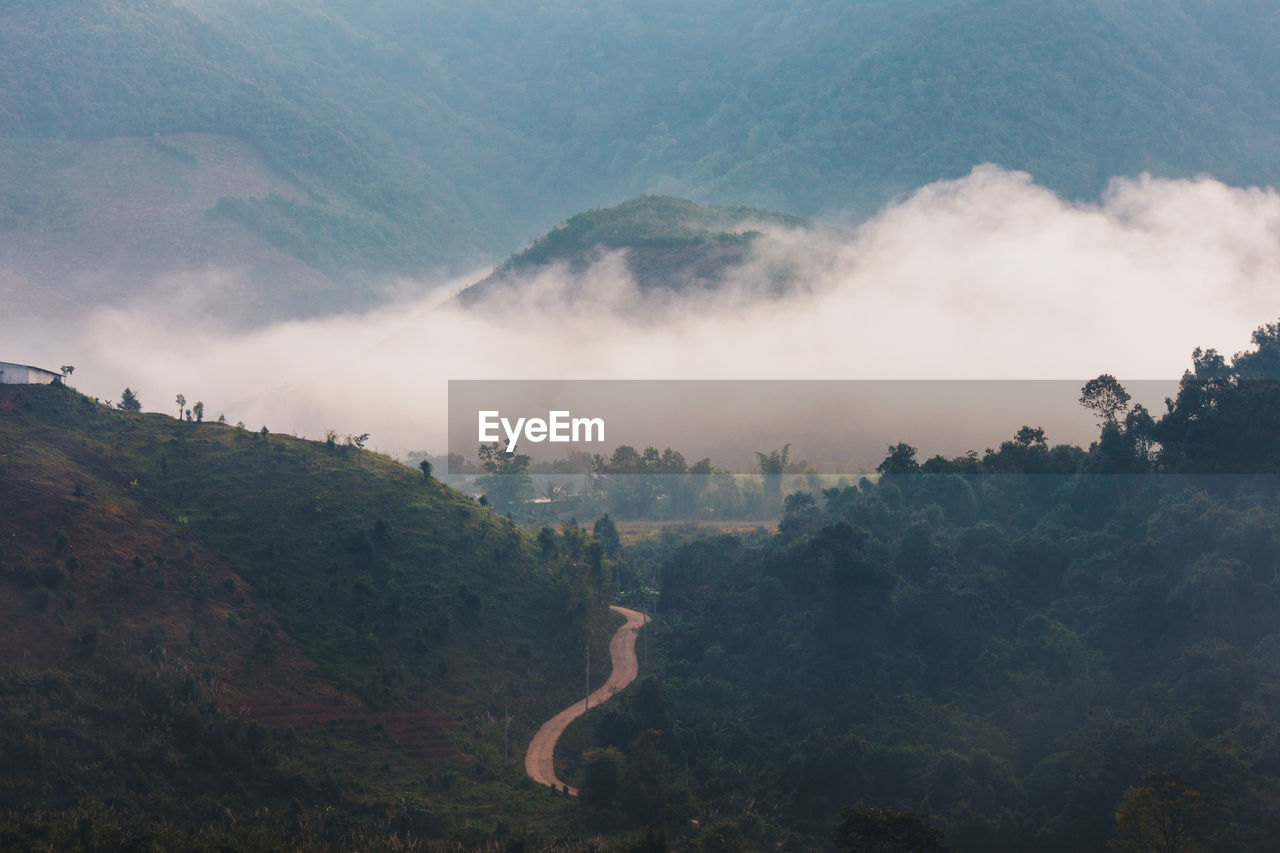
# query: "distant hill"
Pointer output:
{"type": "Point", "coordinates": [670, 244]}
{"type": "Point", "coordinates": [197, 601]}
{"type": "Point", "coordinates": [363, 140]}
{"type": "Point", "coordinates": [859, 104]}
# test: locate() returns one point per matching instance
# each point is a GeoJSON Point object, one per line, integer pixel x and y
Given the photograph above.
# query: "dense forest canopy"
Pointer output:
{"type": "Point", "coordinates": [1018, 645]}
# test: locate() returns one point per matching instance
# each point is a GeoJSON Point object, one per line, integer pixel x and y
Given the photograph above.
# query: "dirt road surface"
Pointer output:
{"type": "Point", "coordinates": [539, 761]}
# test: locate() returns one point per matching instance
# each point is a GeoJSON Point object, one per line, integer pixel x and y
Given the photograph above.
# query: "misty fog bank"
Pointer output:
{"type": "Point", "coordinates": [986, 277]}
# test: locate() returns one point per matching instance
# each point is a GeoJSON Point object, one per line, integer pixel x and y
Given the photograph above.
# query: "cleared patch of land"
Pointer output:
{"type": "Point", "coordinates": [632, 531]}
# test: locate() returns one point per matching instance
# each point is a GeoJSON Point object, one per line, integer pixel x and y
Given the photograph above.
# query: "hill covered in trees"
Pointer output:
{"type": "Point", "coordinates": [670, 245]}
{"type": "Point", "coordinates": [220, 636]}
{"type": "Point", "coordinates": [213, 636]}
{"type": "Point", "coordinates": [1038, 649]}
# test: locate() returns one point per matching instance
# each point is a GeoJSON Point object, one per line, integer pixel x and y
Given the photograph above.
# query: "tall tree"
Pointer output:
{"type": "Point", "coordinates": [1163, 815]}
{"type": "Point", "coordinates": [606, 532]}
{"type": "Point", "coordinates": [901, 459]}
{"type": "Point", "coordinates": [876, 830]}
{"type": "Point", "coordinates": [772, 466]}
{"type": "Point", "coordinates": [1105, 396]}
{"type": "Point", "coordinates": [506, 479]}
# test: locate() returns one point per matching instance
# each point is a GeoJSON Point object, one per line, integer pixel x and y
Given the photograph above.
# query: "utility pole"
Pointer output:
{"type": "Point", "coordinates": [645, 628]}
{"type": "Point", "coordinates": [653, 605]}
{"type": "Point", "coordinates": [587, 707]}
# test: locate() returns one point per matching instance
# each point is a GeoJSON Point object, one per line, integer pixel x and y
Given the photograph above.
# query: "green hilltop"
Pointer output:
{"type": "Point", "coordinates": [648, 221]}
{"type": "Point", "coordinates": [672, 243]}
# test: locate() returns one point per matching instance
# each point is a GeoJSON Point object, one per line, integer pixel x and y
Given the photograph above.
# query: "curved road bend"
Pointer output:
{"type": "Point", "coordinates": [539, 761]}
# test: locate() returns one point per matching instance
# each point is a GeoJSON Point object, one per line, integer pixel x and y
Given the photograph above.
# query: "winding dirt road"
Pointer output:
{"type": "Point", "coordinates": [539, 761]}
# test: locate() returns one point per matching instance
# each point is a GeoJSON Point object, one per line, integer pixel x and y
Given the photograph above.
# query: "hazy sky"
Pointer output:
{"type": "Point", "coordinates": [989, 276]}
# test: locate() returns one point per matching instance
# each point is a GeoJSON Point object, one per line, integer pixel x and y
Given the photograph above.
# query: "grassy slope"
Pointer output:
{"type": "Point", "coordinates": [326, 591]}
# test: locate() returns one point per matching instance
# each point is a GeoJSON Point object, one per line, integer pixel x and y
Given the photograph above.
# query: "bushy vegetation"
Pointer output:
{"type": "Point", "coordinates": [211, 584]}
{"type": "Point", "coordinates": [1018, 645]}
{"type": "Point", "coordinates": [96, 761]}
{"type": "Point", "coordinates": [647, 221]}
{"type": "Point", "coordinates": [670, 243]}
{"type": "Point", "coordinates": [1045, 647]}
{"type": "Point", "coordinates": [629, 484]}
{"type": "Point", "coordinates": [93, 70]}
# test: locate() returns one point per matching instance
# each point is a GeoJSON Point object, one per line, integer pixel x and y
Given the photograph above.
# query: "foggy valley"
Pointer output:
{"type": "Point", "coordinates": [933, 350]}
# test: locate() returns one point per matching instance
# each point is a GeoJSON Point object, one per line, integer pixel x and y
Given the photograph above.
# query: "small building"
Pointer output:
{"type": "Point", "coordinates": [25, 374]}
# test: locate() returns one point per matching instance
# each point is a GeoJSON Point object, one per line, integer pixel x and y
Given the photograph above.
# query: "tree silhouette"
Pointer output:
{"type": "Point", "coordinates": [606, 532]}
{"type": "Point", "coordinates": [1031, 437]}
{"type": "Point", "coordinates": [901, 459]}
{"type": "Point", "coordinates": [1105, 396]}
{"type": "Point", "coordinates": [506, 478]}
{"type": "Point", "coordinates": [772, 466]}
{"type": "Point", "coordinates": [129, 401]}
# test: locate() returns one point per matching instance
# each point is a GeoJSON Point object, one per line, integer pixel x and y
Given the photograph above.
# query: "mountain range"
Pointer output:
{"type": "Point", "coordinates": [276, 158]}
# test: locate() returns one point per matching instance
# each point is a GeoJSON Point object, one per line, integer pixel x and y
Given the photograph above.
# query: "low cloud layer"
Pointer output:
{"type": "Point", "coordinates": [985, 277]}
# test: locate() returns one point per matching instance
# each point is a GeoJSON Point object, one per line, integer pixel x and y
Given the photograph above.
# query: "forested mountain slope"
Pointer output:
{"type": "Point", "coordinates": [1023, 645]}
{"type": "Point", "coordinates": [200, 623]}
{"type": "Point", "coordinates": [405, 138]}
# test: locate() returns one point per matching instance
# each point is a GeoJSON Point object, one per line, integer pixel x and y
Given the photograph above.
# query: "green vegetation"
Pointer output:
{"type": "Point", "coordinates": [91, 759]}
{"type": "Point", "coordinates": [362, 624]}
{"type": "Point", "coordinates": [1045, 648]}
{"type": "Point", "coordinates": [370, 567]}
{"type": "Point", "coordinates": [1164, 815]}
{"type": "Point", "coordinates": [647, 222]}
{"type": "Point", "coordinates": [631, 484]}
{"type": "Point", "coordinates": [421, 134]}
{"type": "Point", "coordinates": [90, 71]}
{"type": "Point", "coordinates": [236, 638]}
{"type": "Point", "coordinates": [888, 831]}
{"type": "Point", "coordinates": [671, 243]}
